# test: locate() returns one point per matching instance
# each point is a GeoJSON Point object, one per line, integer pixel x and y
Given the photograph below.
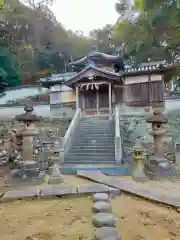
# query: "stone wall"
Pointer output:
{"type": "Point", "coordinates": [136, 127]}
{"type": "Point", "coordinates": [44, 126]}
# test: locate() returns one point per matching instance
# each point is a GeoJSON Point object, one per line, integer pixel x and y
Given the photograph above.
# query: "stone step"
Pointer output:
{"type": "Point", "coordinates": [91, 129]}
{"type": "Point", "coordinates": [95, 136]}
{"type": "Point", "coordinates": [93, 148]}
{"type": "Point", "coordinates": [93, 152]}
{"type": "Point", "coordinates": [90, 163]}
{"type": "Point", "coordinates": [96, 121]}
{"type": "Point", "coordinates": [90, 159]}
{"type": "Point", "coordinates": [100, 125]}
{"type": "Point", "coordinates": [89, 144]}
{"type": "Point", "coordinates": [95, 130]}
{"type": "Point", "coordinates": [92, 144]}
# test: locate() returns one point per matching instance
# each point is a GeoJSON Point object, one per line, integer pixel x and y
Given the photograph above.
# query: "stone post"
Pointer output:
{"type": "Point", "coordinates": [139, 158]}
{"type": "Point", "coordinates": [157, 165]}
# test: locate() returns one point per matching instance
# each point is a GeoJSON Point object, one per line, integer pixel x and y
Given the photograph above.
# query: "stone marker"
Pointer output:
{"type": "Point", "coordinates": [103, 219]}
{"type": "Point", "coordinates": [139, 158]}
{"type": "Point", "coordinates": [101, 206]}
{"type": "Point", "coordinates": [106, 233]}
{"type": "Point", "coordinates": [100, 197]}
{"type": "Point", "coordinates": [54, 176]}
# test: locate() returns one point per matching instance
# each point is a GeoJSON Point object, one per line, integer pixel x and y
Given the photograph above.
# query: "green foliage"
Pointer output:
{"type": "Point", "coordinates": [38, 42]}
{"type": "Point", "coordinates": [8, 70]}
{"type": "Point", "coordinates": [153, 34]}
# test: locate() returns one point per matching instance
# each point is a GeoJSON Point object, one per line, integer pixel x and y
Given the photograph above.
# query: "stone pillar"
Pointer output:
{"type": "Point", "coordinates": [139, 158]}
{"type": "Point", "coordinates": [77, 97]}
{"type": "Point", "coordinates": [28, 134]}
{"type": "Point", "coordinates": [110, 101]}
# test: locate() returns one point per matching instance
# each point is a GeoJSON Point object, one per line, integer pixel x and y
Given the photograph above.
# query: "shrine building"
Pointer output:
{"type": "Point", "coordinates": [100, 81]}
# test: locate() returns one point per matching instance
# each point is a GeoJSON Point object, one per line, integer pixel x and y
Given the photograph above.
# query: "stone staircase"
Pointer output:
{"type": "Point", "coordinates": [93, 143]}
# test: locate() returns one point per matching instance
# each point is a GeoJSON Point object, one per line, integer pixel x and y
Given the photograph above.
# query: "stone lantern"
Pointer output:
{"type": "Point", "coordinates": [28, 132]}
{"type": "Point", "coordinates": [139, 158]}
{"type": "Point", "coordinates": [157, 165]}
{"type": "Point", "coordinates": [29, 168]}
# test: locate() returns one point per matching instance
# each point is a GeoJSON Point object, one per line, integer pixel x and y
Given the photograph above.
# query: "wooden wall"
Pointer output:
{"type": "Point", "coordinates": [149, 91]}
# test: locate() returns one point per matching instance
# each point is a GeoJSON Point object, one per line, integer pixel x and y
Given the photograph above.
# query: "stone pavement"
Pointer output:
{"type": "Point", "coordinates": [166, 192]}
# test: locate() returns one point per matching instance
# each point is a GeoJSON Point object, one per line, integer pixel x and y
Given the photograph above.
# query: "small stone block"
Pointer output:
{"type": "Point", "coordinates": [106, 233]}
{"type": "Point", "coordinates": [53, 180]}
{"type": "Point", "coordinates": [103, 220]}
{"type": "Point", "coordinates": [101, 197]}
{"type": "Point", "coordinates": [101, 206]}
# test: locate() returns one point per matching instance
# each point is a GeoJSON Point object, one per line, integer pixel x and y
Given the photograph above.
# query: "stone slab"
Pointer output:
{"type": "Point", "coordinates": [106, 233]}
{"type": "Point", "coordinates": [20, 194]}
{"type": "Point", "coordinates": [103, 219]}
{"type": "Point", "coordinates": [131, 188]}
{"type": "Point", "coordinates": [100, 197]}
{"type": "Point", "coordinates": [57, 191]}
{"type": "Point", "coordinates": [96, 188]}
{"type": "Point", "coordinates": [101, 207]}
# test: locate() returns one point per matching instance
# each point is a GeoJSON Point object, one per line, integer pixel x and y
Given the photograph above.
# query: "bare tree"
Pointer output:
{"type": "Point", "coordinates": [39, 7]}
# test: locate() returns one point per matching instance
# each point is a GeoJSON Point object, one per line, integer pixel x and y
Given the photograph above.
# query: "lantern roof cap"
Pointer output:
{"type": "Point", "coordinates": [138, 146]}
{"type": "Point", "coordinates": [28, 115]}
{"type": "Point", "coordinates": [157, 116]}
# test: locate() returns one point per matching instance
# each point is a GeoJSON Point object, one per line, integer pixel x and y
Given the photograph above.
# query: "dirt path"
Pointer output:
{"type": "Point", "coordinates": [70, 219]}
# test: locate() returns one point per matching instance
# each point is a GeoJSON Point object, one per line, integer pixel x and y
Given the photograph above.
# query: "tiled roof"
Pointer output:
{"type": "Point", "coordinates": [58, 77]}
{"type": "Point", "coordinates": [132, 71]}
{"type": "Point", "coordinates": [96, 56]}
{"type": "Point", "coordinates": [146, 68]}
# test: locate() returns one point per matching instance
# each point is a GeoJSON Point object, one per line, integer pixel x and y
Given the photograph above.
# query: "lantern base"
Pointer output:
{"type": "Point", "coordinates": [28, 172]}
{"type": "Point", "coordinates": [158, 168]}
{"type": "Point", "coordinates": [138, 173]}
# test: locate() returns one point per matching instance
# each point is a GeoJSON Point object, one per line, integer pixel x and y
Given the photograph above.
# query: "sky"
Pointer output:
{"type": "Point", "coordinates": [85, 15]}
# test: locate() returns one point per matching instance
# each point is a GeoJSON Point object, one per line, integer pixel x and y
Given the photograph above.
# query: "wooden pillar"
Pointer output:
{"type": "Point", "coordinates": [110, 101]}
{"type": "Point", "coordinates": [113, 99]}
{"type": "Point", "coordinates": [97, 101]}
{"type": "Point", "coordinates": [77, 97]}
{"type": "Point", "coordinates": [83, 101]}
